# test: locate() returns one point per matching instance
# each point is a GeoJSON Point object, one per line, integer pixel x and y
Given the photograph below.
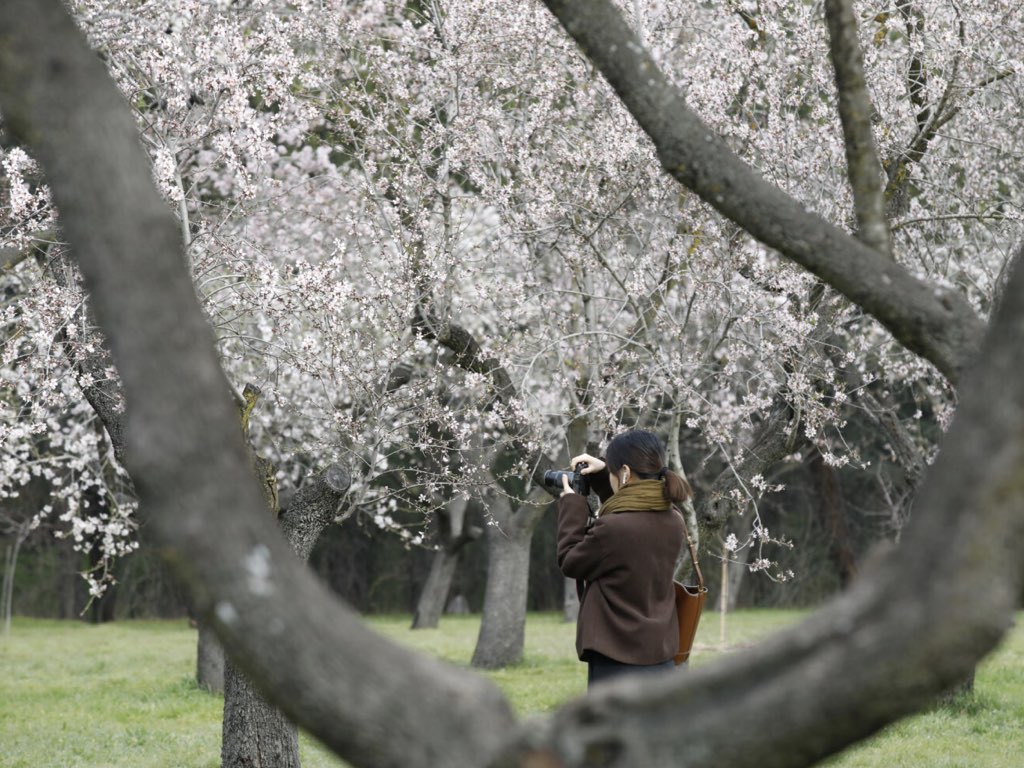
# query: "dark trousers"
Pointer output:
{"type": "Point", "coordinates": [601, 668]}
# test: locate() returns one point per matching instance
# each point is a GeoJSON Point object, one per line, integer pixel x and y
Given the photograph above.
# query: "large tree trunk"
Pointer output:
{"type": "Point", "coordinates": [503, 625]}
{"type": "Point", "coordinates": [255, 734]}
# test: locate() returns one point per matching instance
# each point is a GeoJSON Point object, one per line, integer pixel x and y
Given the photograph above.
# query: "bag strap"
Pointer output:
{"type": "Point", "coordinates": [693, 551]}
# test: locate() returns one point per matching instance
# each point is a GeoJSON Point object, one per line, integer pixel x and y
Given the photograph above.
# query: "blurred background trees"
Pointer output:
{"type": "Point", "coordinates": [354, 183]}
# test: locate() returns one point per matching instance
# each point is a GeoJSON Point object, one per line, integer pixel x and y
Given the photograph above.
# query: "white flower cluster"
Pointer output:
{"type": "Point", "coordinates": [341, 169]}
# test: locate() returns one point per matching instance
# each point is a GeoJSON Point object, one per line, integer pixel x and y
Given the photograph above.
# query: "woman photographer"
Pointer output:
{"type": "Point", "coordinates": [625, 559]}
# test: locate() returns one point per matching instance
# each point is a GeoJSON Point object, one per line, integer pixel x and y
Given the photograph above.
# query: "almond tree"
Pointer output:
{"type": "Point", "coordinates": [908, 637]}
{"type": "Point", "coordinates": [945, 350]}
{"type": "Point", "coordinates": [183, 480]}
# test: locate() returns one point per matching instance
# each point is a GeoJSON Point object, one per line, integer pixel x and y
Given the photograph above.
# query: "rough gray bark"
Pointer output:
{"type": "Point", "coordinates": [775, 438]}
{"type": "Point", "coordinates": [256, 734]}
{"type": "Point", "coordinates": [313, 508]}
{"type": "Point", "coordinates": [934, 322]}
{"type": "Point", "coordinates": [503, 624]}
{"type": "Point", "coordinates": [880, 651]}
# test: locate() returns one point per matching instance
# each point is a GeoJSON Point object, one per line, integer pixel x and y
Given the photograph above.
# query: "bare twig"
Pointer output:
{"type": "Point", "coordinates": [855, 111]}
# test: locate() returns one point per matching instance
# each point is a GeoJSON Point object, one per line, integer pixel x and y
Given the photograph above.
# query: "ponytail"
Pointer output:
{"type": "Point", "coordinates": [677, 490]}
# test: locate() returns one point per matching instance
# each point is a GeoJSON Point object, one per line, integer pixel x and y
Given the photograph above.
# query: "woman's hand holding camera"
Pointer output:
{"type": "Point", "coordinates": [566, 488]}
{"type": "Point", "coordinates": [590, 466]}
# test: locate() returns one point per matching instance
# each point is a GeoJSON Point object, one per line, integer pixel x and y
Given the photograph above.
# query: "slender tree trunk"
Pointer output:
{"type": "Point", "coordinates": [503, 625]}
{"type": "Point", "coordinates": [10, 568]}
{"type": "Point", "coordinates": [455, 533]}
{"type": "Point", "coordinates": [432, 599]}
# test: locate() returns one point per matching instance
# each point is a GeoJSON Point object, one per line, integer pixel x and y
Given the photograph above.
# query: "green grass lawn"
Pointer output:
{"type": "Point", "coordinates": [123, 694]}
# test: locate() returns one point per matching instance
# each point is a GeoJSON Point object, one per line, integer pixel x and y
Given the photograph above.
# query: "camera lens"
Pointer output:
{"type": "Point", "coordinates": [553, 478]}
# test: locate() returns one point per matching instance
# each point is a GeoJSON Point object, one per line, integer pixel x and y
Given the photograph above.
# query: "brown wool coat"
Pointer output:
{"type": "Point", "coordinates": [627, 560]}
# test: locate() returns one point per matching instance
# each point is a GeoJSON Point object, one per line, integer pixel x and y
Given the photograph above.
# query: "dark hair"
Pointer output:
{"type": "Point", "coordinates": [644, 453]}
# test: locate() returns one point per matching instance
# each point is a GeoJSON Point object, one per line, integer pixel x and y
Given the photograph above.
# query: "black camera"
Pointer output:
{"type": "Point", "coordinates": [577, 481]}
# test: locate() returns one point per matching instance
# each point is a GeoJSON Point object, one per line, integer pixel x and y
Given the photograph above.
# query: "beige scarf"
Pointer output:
{"type": "Point", "coordinates": [638, 496]}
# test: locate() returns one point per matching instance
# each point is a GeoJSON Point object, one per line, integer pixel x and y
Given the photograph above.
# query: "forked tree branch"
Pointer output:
{"type": "Point", "coordinates": [102, 392]}
{"type": "Point", "coordinates": [934, 322]}
{"type": "Point", "coordinates": [469, 356]}
{"type": "Point", "coordinates": [39, 242]}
